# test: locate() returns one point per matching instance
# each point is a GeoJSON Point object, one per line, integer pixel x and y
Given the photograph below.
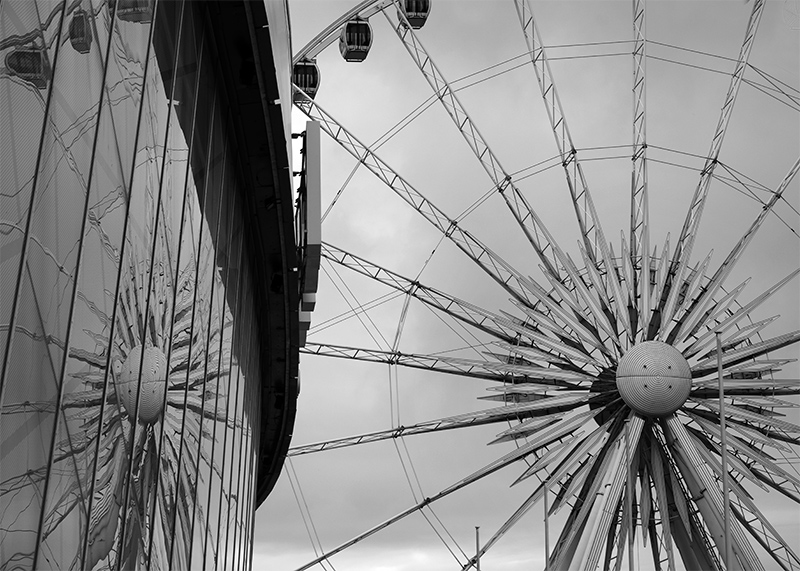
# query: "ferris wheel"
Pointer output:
{"type": "Point", "coordinates": [591, 293]}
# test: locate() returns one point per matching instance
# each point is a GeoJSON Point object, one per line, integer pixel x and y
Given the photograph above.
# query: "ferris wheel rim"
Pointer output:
{"type": "Point", "coordinates": [673, 289]}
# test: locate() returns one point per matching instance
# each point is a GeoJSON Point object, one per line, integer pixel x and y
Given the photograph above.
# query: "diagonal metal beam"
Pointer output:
{"type": "Point", "coordinates": [588, 221]}
{"type": "Point", "coordinates": [432, 297]}
{"type": "Point", "coordinates": [483, 257]}
{"type": "Point", "coordinates": [683, 248]}
{"type": "Point", "coordinates": [500, 372]}
{"type": "Point", "coordinates": [640, 214]}
{"type": "Point", "coordinates": [706, 296]}
{"type": "Point", "coordinates": [710, 498]}
{"type": "Point", "coordinates": [705, 340]}
{"type": "Point", "coordinates": [533, 227]}
{"type": "Point", "coordinates": [490, 468]}
{"type": "Point", "coordinates": [745, 352]}
{"type": "Point", "coordinates": [514, 412]}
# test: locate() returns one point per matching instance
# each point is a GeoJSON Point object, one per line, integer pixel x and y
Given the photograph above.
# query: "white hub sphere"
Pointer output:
{"type": "Point", "coordinates": [654, 379]}
{"type": "Point", "coordinates": [153, 385]}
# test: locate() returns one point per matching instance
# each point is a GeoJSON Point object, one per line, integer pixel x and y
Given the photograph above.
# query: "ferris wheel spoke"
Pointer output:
{"type": "Point", "coordinates": [745, 509]}
{"type": "Point", "coordinates": [563, 462]}
{"type": "Point", "coordinates": [699, 305]}
{"type": "Point", "coordinates": [608, 311]}
{"type": "Point", "coordinates": [533, 227]}
{"type": "Point", "coordinates": [765, 534]}
{"type": "Point", "coordinates": [691, 538]}
{"type": "Point", "coordinates": [581, 541]}
{"type": "Point", "coordinates": [573, 466]}
{"type": "Point", "coordinates": [558, 347]}
{"type": "Point", "coordinates": [747, 332]}
{"type": "Point", "coordinates": [484, 258]}
{"type": "Point", "coordinates": [588, 220]}
{"type": "Point", "coordinates": [628, 279]}
{"type": "Point", "coordinates": [581, 298]}
{"type": "Point", "coordinates": [464, 311]}
{"type": "Point", "coordinates": [491, 468]}
{"type": "Point", "coordinates": [706, 339]}
{"type": "Point", "coordinates": [698, 476]}
{"type": "Point", "coordinates": [683, 248]}
{"type": "Point", "coordinates": [740, 450]}
{"type": "Point", "coordinates": [760, 422]}
{"type": "Point", "coordinates": [662, 503]}
{"type": "Point", "coordinates": [586, 335]}
{"type": "Point", "coordinates": [720, 311]}
{"type": "Point", "coordinates": [743, 353]}
{"type": "Point", "coordinates": [488, 416]}
{"type": "Point", "coordinates": [602, 513]}
{"type": "Point", "coordinates": [478, 369]}
{"type": "Point", "coordinates": [438, 300]}
{"type": "Point", "coordinates": [689, 289]}
{"type": "Point", "coordinates": [640, 212]}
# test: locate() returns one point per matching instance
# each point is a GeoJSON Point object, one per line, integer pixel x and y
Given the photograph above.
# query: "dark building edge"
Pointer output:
{"type": "Point", "coordinates": [241, 40]}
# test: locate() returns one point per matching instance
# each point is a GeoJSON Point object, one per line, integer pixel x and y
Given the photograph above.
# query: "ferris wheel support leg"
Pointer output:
{"type": "Point", "coordinates": [707, 496]}
{"type": "Point", "coordinates": [585, 551]}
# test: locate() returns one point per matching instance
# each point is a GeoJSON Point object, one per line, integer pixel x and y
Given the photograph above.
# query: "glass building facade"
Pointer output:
{"type": "Point", "coordinates": [147, 308]}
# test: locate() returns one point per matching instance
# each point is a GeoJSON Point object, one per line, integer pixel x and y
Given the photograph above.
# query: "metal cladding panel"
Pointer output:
{"type": "Point", "coordinates": [313, 206]}
{"type": "Point", "coordinates": [654, 379]}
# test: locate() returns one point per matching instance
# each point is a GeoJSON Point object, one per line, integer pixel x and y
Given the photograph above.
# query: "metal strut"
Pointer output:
{"type": "Point", "coordinates": [487, 260]}
{"type": "Point", "coordinates": [640, 214]}
{"type": "Point", "coordinates": [594, 240]}
{"type": "Point", "coordinates": [535, 230]}
{"type": "Point", "coordinates": [683, 248]}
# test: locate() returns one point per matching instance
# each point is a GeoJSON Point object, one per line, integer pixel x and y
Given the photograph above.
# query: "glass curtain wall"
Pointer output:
{"type": "Point", "coordinates": [129, 356]}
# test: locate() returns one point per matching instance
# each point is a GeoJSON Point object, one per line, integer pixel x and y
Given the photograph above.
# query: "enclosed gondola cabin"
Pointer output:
{"type": "Point", "coordinates": [80, 32]}
{"type": "Point", "coordinates": [356, 39]}
{"type": "Point", "coordinates": [305, 75]}
{"type": "Point", "coordinates": [30, 64]}
{"type": "Point", "coordinates": [140, 11]}
{"type": "Point", "coordinates": [416, 12]}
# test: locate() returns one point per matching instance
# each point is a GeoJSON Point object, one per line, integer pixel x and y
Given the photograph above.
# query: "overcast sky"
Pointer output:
{"type": "Point", "coordinates": [350, 490]}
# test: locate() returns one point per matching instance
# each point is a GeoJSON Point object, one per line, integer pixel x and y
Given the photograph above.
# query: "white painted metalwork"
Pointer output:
{"type": "Point", "coordinates": [566, 355]}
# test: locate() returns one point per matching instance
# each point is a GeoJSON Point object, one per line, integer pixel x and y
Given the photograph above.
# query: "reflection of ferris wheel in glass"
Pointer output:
{"type": "Point", "coordinates": [602, 357]}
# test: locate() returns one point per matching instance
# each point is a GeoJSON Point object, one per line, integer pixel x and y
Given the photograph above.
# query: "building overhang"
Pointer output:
{"type": "Point", "coordinates": [241, 34]}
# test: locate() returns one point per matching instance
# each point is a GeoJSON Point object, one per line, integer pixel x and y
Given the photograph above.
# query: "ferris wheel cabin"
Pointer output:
{"type": "Point", "coordinates": [305, 75]}
{"type": "Point", "coordinates": [356, 39]}
{"type": "Point", "coordinates": [80, 32]}
{"type": "Point", "coordinates": [140, 11]}
{"type": "Point", "coordinates": [416, 12]}
{"type": "Point", "coordinates": [30, 64]}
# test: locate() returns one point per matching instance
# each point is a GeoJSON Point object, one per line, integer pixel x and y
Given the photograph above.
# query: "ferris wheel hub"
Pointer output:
{"type": "Point", "coordinates": [153, 369]}
{"type": "Point", "coordinates": [654, 379]}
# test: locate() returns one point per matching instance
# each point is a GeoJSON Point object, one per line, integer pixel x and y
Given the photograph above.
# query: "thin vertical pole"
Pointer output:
{"type": "Point", "coordinates": [724, 455]}
{"type": "Point", "coordinates": [546, 530]}
{"type": "Point", "coordinates": [477, 548]}
{"type": "Point", "coordinates": [629, 495]}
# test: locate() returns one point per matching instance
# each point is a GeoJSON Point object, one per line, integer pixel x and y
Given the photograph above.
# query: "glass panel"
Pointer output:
{"type": "Point", "coordinates": [25, 28]}
{"type": "Point", "coordinates": [242, 349]}
{"type": "Point", "coordinates": [211, 215]}
{"type": "Point", "coordinates": [231, 265]}
{"type": "Point", "coordinates": [41, 221]}
{"type": "Point", "coordinates": [139, 354]}
{"type": "Point", "coordinates": [252, 379]}
{"type": "Point", "coordinates": [136, 312]}
{"type": "Point", "coordinates": [187, 490]}
{"type": "Point", "coordinates": [219, 491]}
{"type": "Point", "coordinates": [73, 119]}
{"type": "Point", "coordinates": [123, 295]}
